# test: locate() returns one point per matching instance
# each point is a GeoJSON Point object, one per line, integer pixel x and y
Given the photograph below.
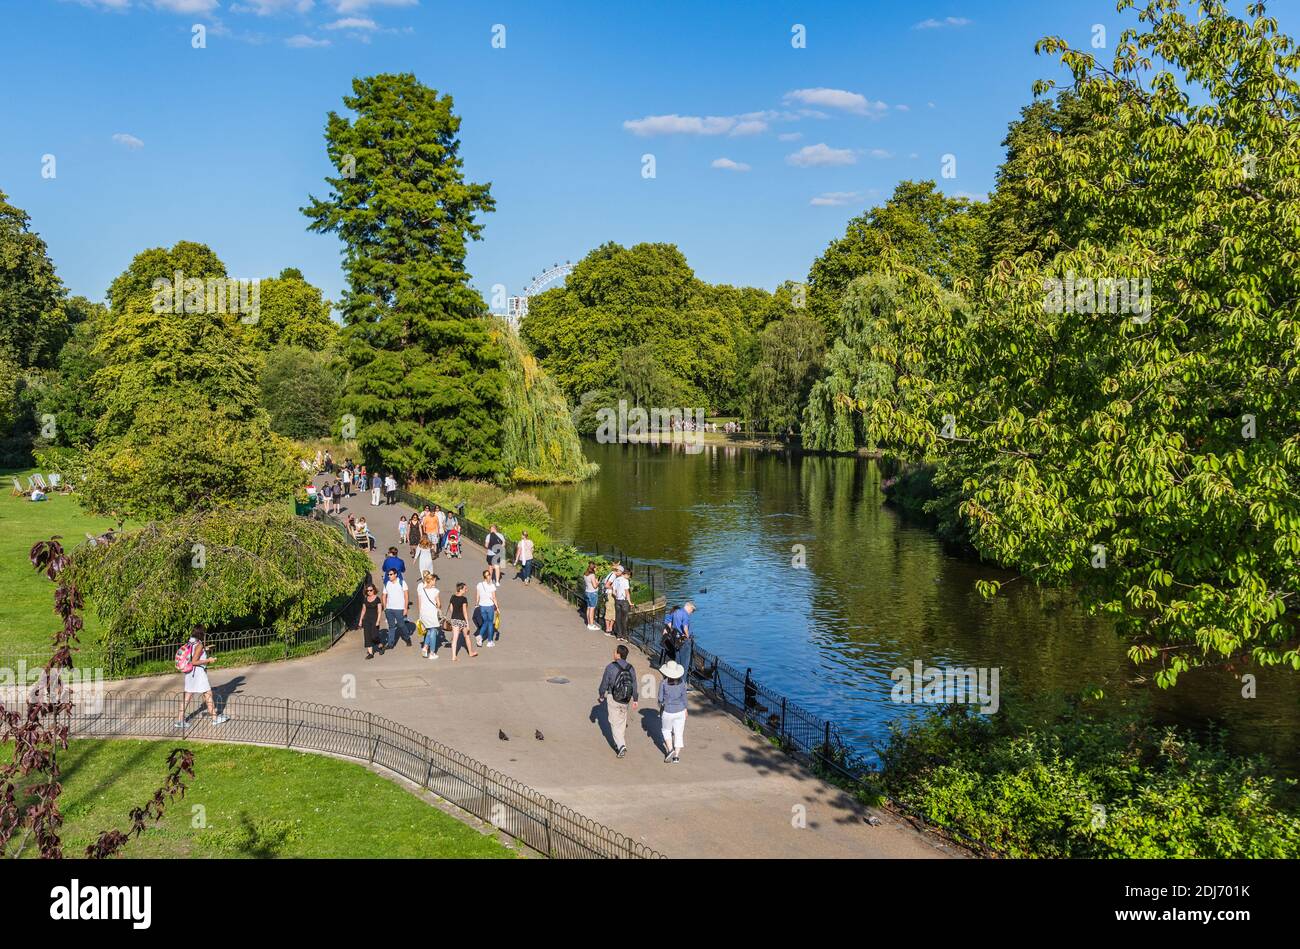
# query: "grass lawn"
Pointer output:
{"type": "Point", "coordinates": [254, 802]}
{"type": "Point", "coordinates": [27, 600]}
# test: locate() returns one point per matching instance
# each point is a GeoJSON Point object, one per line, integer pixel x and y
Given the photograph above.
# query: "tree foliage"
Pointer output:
{"type": "Point", "coordinates": [426, 381]}
{"type": "Point", "coordinates": [300, 391]}
{"type": "Point", "coordinates": [260, 567]}
{"type": "Point", "coordinates": [1150, 458]}
{"type": "Point", "coordinates": [33, 319]}
{"type": "Point", "coordinates": [790, 356]}
{"type": "Point", "coordinates": [918, 227]}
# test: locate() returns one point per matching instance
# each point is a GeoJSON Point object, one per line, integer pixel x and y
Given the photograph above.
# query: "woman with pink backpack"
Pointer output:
{"type": "Point", "coordinates": [192, 659]}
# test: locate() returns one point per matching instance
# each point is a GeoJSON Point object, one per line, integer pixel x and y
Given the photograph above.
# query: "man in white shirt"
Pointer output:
{"type": "Point", "coordinates": [397, 603]}
{"type": "Point", "coordinates": [622, 587]}
{"type": "Point", "coordinates": [607, 585]}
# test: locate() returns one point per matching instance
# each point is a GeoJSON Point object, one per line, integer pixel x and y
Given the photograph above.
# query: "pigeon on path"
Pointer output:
{"type": "Point", "coordinates": [538, 735]}
{"type": "Point", "coordinates": [502, 735]}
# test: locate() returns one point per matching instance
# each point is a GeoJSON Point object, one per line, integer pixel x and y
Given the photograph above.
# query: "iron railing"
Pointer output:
{"type": "Point", "coordinates": [542, 823]}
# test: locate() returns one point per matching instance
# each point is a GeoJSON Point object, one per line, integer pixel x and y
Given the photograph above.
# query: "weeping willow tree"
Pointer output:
{"type": "Point", "coordinates": [539, 442]}
{"type": "Point", "coordinates": [226, 570]}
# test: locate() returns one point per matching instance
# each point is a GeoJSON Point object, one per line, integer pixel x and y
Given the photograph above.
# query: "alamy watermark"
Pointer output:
{"type": "Point", "coordinates": [1120, 295]}
{"type": "Point", "coordinates": [84, 688]}
{"type": "Point", "coordinates": [932, 685]}
{"type": "Point", "coordinates": [208, 295]}
{"type": "Point", "coordinates": [624, 424]}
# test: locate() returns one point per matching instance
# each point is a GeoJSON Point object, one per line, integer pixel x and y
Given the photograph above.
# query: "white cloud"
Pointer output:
{"type": "Point", "coordinates": [728, 165]}
{"type": "Point", "coordinates": [680, 125]}
{"type": "Point", "coordinates": [833, 199]}
{"type": "Point", "coordinates": [353, 23]}
{"type": "Point", "coordinates": [271, 7]}
{"type": "Point", "coordinates": [127, 139]}
{"type": "Point", "coordinates": [946, 23]}
{"type": "Point", "coordinates": [186, 6]}
{"type": "Point", "coordinates": [358, 6]}
{"type": "Point", "coordinates": [106, 4]}
{"type": "Point", "coordinates": [789, 136]}
{"type": "Point", "coordinates": [821, 154]}
{"type": "Point", "coordinates": [903, 108]}
{"type": "Point", "coordinates": [880, 153]}
{"type": "Point", "coordinates": [841, 99]}
{"type": "Point", "coordinates": [305, 42]}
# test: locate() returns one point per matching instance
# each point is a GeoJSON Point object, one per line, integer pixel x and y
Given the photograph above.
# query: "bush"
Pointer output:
{"type": "Point", "coordinates": [1083, 785]}
{"type": "Point", "coordinates": [519, 509]}
{"type": "Point", "coordinates": [226, 570]}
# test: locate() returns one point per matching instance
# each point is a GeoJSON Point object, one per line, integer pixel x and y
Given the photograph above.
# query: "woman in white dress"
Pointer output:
{"type": "Point", "coordinates": [193, 661]}
{"type": "Point", "coordinates": [429, 603]}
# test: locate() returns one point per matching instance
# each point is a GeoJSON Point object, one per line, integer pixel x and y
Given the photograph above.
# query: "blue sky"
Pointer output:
{"type": "Point", "coordinates": [156, 141]}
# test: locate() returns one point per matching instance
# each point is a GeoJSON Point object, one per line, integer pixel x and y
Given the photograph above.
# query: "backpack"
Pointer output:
{"type": "Point", "coordinates": [185, 657]}
{"type": "Point", "coordinates": [624, 686]}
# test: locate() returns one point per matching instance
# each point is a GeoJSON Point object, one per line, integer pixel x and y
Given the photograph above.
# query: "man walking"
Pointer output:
{"type": "Point", "coordinates": [397, 602]}
{"type": "Point", "coordinates": [390, 488]}
{"type": "Point", "coordinates": [394, 562]}
{"type": "Point", "coordinates": [618, 692]}
{"type": "Point", "coordinates": [622, 601]}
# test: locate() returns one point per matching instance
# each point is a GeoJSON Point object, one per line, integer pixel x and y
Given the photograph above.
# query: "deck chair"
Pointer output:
{"type": "Point", "coordinates": [56, 481]}
{"type": "Point", "coordinates": [19, 490]}
{"type": "Point", "coordinates": [38, 480]}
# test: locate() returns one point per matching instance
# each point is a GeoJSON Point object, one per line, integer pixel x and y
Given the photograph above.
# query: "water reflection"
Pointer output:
{"type": "Point", "coordinates": [730, 524]}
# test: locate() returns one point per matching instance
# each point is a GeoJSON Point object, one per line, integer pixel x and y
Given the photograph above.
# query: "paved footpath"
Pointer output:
{"type": "Point", "coordinates": [732, 795]}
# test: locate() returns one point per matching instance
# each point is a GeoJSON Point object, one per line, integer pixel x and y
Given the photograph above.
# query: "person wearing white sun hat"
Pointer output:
{"type": "Point", "coordinates": [672, 710]}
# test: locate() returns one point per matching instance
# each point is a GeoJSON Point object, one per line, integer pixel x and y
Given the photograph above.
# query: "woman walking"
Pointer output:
{"type": "Point", "coordinates": [487, 610]}
{"type": "Point", "coordinates": [495, 544]}
{"type": "Point", "coordinates": [524, 557]}
{"type": "Point", "coordinates": [590, 589]}
{"type": "Point", "coordinates": [193, 660]}
{"type": "Point", "coordinates": [459, 605]}
{"type": "Point", "coordinates": [375, 487]}
{"type": "Point", "coordinates": [429, 603]}
{"type": "Point", "coordinates": [672, 710]}
{"type": "Point", "coordinates": [415, 533]}
{"type": "Point", "coordinates": [424, 555]}
{"type": "Point", "coordinates": [371, 608]}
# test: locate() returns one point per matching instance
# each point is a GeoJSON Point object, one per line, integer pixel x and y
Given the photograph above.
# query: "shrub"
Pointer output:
{"type": "Point", "coordinates": [520, 509]}
{"type": "Point", "coordinates": [1084, 785]}
{"type": "Point", "coordinates": [225, 570]}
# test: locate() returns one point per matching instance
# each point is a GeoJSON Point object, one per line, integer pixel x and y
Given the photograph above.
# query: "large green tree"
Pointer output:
{"type": "Point", "coordinates": [33, 320]}
{"type": "Point", "coordinates": [1150, 455]}
{"type": "Point", "coordinates": [620, 299]}
{"type": "Point", "coordinates": [790, 354]}
{"type": "Point", "coordinates": [292, 312]}
{"type": "Point", "coordinates": [425, 381]}
{"type": "Point", "coordinates": [181, 427]}
{"type": "Point", "coordinates": [919, 227]}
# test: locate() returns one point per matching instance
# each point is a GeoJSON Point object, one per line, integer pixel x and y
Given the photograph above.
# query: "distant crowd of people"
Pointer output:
{"type": "Point", "coordinates": [391, 609]}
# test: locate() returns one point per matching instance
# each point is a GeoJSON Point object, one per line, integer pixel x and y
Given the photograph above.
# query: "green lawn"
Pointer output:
{"type": "Point", "coordinates": [27, 600]}
{"type": "Point", "coordinates": [254, 802]}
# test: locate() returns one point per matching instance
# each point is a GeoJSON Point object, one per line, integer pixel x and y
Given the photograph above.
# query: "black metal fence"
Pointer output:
{"type": "Point", "coordinates": [263, 644]}
{"type": "Point", "coordinates": [543, 824]}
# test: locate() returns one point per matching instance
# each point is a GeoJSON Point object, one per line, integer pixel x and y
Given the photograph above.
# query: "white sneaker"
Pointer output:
{"type": "Point", "coordinates": [220, 720]}
{"type": "Point", "coordinates": [478, 640]}
{"type": "Point", "coordinates": [594, 627]}
{"type": "Point", "coordinates": [491, 643]}
{"type": "Point", "coordinates": [433, 655]}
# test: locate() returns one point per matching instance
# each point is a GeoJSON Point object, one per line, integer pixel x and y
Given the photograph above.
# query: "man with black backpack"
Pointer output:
{"type": "Point", "coordinates": [618, 691]}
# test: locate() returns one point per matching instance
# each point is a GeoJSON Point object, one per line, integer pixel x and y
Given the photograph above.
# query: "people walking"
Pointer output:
{"type": "Point", "coordinates": [495, 545]}
{"type": "Point", "coordinates": [394, 562]}
{"type": "Point", "coordinates": [487, 611]}
{"type": "Point", "coordinates": [415, 534]}
{"type": "Point", "coordinates": [618, 692]}
{"type": "Point", "coordinates": [346, 478]}
{"type": "Point", "coordinates": [459, 606]}
{"type": "Point", "coordinates": [429, 611]}
{"type": "Point", "coordinates": [402, 530]}
{"type": "Point", "coordinates": [375, 490]}
{"type": "Point", "coordinates": [371, 606]}
{"type": "Point", "coordinates": [397, 604]}
{"type": "Point", "coordinates": [590, 586]}
{"type": "Point", "coordinates": [390, 488]}
{"type": "Point", "coordinates": [193, 660]}
{"type": "Point", "coordinates": [424, 555]}
{"type": "Point", "coordinates": [672, 710]}
{"type": "Point", "coordinates": [524, 557]}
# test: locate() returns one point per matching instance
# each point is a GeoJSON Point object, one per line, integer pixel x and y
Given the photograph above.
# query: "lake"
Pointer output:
{"type": "Point", "coordinates": [800, 571]}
